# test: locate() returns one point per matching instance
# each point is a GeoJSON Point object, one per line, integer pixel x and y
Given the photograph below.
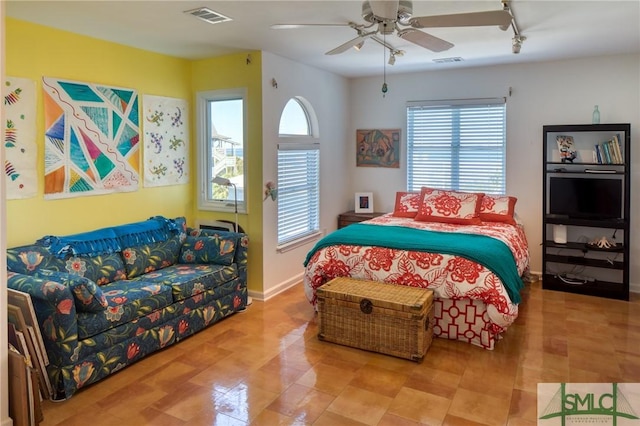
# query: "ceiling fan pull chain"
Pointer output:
{"type": "Point", "coordinates": [385, 89]}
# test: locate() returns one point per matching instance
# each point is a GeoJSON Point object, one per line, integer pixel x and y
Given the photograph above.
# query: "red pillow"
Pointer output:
{"type": "Point", "coordinates": [407, 204]}
{"type": "Point", "coordinates": [498, 208]}
{"type": "Point", "coordinates": [438, 205]}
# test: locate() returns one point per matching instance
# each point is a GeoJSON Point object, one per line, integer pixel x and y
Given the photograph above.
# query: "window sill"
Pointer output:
{"type": "Point", "coordinates": [291, 245]}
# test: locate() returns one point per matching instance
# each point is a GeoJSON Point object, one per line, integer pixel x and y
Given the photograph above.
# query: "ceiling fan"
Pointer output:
{"type": "Point", "coordinates": [396, 16]}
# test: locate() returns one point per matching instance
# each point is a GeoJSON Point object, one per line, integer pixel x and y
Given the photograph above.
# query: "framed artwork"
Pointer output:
{"type": "Point", "coordinates": [364, 202]}
{"type": "Point", "coordinates": [378, 148]}
{"type": "Point", "coordinates": [166, 141]}
{"type": "Point", "coordinates": [91, 139]}
{"type": "Point", "coordinates": [20, 149]}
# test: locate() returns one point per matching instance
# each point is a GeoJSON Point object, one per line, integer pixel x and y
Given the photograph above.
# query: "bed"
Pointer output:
{"type": "Point", "coordinates": [474, 268]}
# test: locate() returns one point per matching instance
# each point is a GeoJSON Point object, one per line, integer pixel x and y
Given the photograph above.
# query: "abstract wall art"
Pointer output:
{"type": "Point", "coordinates": [20, 147]}
{"type": "Point", "coordinates": [378, 148]}
{"type": "Point", "coordinates": [92, 139]}
{"type": "Point", "coordinates": [166, 141]}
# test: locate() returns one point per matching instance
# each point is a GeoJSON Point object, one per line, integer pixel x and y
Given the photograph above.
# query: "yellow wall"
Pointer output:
{"type": "Point", "coordinates": [228, 72]}
{"type": "Point", "coordinates": [34, 51]}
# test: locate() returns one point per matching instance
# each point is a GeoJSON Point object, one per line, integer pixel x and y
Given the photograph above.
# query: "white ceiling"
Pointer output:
{"type": "Point", "coordinates": [554, 30]}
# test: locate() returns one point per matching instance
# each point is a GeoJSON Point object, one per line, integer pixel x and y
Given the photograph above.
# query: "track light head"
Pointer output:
{"type": "Point", "coordinates": [516, 43]}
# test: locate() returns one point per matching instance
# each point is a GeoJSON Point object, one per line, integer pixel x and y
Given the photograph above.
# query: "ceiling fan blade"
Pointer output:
{"type": "Point", "coordinates": [346, 46]}
{"type": "Point", "coordinates": [425, 40]}
{"type": "Point", "coordinates": [501, 18]}
{"type": "Point", "coordinates": [293, 26]}
{"type": "Point", "coordinates": [385, 9]}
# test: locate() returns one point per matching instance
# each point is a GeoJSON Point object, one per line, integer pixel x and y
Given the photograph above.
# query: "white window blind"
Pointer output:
{"type": "Point", "coordinates": [457, 145]}
{"type": "Point", "coordinates": [298, 191]}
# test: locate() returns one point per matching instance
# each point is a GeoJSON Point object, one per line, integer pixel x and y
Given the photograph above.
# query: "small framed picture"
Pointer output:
{"type": "Point", "coordinates": [364, 202]}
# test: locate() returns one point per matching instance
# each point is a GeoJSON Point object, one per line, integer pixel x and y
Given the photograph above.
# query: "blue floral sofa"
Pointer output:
{"type": "Point", "coordinates": [104, 299]}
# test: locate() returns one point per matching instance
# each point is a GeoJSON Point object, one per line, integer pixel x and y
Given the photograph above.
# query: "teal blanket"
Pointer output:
{"type": "Point", "coordinates": [487, 251]}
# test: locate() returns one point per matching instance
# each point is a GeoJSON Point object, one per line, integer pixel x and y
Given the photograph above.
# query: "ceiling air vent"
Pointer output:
{"type": "Point", "coordinates": [447, 60]}
{"type": "Point", "coordinates": [208, 15]}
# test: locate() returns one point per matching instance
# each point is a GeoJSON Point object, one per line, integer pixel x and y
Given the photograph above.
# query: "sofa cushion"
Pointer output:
{"type": "Point", "coordinates": [87, 295]}
{"type": "Point", "coordinates": [127, 301]}
{"type": "Point", "coordinates": [151, 257]}
{"type": "Point", "coordinates": [215, 249]}
{"type": "Point", "coordinates": [30, 258]}
{"type": "Point", "coordinates": [101, 269]}
{"type": "Point", "coordinates": [188, 280]}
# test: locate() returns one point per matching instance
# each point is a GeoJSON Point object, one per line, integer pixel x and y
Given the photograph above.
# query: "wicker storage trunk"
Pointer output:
{"type": "Point", "coordinates": [385, 318]}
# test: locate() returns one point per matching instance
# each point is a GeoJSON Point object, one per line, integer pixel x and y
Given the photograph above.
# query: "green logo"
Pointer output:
{"type": "Point", "coordinates": [612, 404]}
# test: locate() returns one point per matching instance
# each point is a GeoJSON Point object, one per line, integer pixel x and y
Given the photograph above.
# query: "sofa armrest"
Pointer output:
{"type": "Point", "coordinates": [56, 313]}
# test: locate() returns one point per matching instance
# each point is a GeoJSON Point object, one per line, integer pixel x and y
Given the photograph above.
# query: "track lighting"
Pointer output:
{"type": "Point", "coordinates": [517, 43]}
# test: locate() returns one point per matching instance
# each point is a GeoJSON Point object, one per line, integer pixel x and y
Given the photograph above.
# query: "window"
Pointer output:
{"type": "Point", "coordinates": [298, 174]}
{"type": "Point", "coordinates": [457, 145]}
{"type": "Point", "coordinates": [221, 148]}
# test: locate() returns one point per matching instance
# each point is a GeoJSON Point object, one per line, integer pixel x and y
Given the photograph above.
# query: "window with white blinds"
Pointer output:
{"type": "Point", "coordinates": [298, 191]}
{"type": "Point", "coordinates": [457, 145]}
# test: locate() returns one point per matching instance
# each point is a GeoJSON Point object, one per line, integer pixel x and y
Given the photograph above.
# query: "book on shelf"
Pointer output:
{"type": "Point", "coordinates": [616, 147]}
{"type": "Point", "coordinates": [608, 152]}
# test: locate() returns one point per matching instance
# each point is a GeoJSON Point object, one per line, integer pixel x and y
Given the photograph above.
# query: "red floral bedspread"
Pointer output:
{"type": "Point", "coordinates": [471, 303]}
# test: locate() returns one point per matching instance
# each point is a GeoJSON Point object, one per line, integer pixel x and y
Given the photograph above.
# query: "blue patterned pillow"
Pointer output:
{"type": "Point", "coordinates": [29, 259]}
{"type": "Point", "coordinates": [151, 257]}
{"type": "Point", "coordinates": [102, 269]}
{"type": "Point", "coordinates": [212, 249]}
{"type": "Point", "coordinates": [87, 295]}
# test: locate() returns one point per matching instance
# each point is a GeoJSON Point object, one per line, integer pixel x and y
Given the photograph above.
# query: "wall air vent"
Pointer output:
{"type": "Point", "coordinates": [208, 15]}
{"type": "Point", "coordinates": [447, 60]}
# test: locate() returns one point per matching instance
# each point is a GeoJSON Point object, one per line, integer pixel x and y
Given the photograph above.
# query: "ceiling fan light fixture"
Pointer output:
{"type": "Point", "coordinates": [392, 59]}
{"type": "Point", "coordinates": [359, 45]}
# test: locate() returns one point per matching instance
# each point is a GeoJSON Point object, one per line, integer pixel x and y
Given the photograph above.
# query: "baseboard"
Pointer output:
{"type": "Point", "coordinates": [6, 422]}
{"type": "Point", "coordinates": [272, 292]}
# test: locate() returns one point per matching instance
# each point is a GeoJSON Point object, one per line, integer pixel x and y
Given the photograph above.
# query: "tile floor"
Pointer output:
{"type": "Point", "coordinates": [265, 366]}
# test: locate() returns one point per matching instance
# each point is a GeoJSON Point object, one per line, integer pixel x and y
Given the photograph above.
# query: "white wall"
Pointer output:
{"type": "Point", "coordinates": [545, 93]}
{"type": "Point", "coordinates": [328, 94]}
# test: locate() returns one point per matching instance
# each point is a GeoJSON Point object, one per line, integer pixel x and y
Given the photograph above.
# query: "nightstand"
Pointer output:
{"type": "Point", "coordinates": [350, 217]}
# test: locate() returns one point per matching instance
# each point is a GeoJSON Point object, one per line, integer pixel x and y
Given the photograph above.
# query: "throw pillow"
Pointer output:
{"type": "Point", "coordinates": [31, 258]}
{"type": "Point", "coordinates": [102, 269]}
{"type": "Point", "coordinates": [151, 257]}
{"type": "Point", "coordinates": [212, 249]}
{"type": "Point", "coordinates": [407, 204]}
{"type": "Point", "coordinates": [438, 205]}
{"type": "Point", "coordinates": [498, 208]}
{"type": "Point", "coordinates": [87, 295]}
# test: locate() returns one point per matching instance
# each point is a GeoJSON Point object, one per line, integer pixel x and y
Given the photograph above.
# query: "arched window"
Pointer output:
{"type": "Point", "coordinates": [298, 173]}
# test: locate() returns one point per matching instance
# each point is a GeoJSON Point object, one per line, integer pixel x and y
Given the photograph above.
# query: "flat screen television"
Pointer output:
{"type": "Point", "coordinates": [585, 198]}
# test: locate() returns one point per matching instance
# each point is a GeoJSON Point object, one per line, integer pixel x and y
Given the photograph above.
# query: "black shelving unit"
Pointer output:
{"type": "Point", "coordinates": [576, 266]}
